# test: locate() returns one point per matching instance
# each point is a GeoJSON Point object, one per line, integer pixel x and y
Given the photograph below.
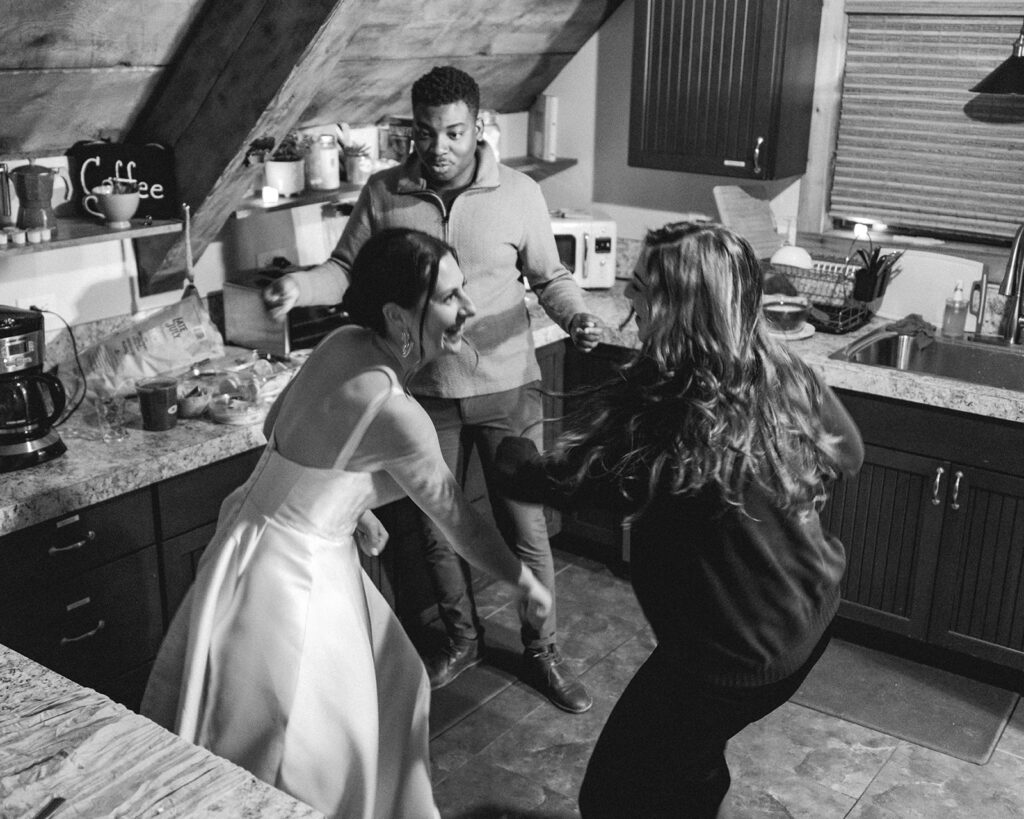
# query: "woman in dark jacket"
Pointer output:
{"type": "Point", "coordinates": [718, 445]}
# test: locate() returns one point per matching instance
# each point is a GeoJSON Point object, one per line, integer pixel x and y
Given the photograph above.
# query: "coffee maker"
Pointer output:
{"type": "Point", "coordinates": [30, 400]}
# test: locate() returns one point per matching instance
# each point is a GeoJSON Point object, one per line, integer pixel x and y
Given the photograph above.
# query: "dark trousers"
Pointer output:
{"type": "Point", "coordinates": [661, 754]}
{"type": "Point", "coordinates": [480, 423]}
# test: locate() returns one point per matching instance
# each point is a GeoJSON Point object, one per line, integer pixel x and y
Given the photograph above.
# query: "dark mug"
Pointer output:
{"type": "Point", "coordinates": [158, 403]}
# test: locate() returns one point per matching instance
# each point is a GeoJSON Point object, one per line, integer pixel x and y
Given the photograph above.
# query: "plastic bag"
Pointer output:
{"type": "Point", "coordinates": [173, 338]}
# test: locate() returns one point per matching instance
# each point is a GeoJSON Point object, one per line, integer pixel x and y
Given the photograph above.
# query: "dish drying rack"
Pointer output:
{"type": "Point", "coordinates": [829, 285]}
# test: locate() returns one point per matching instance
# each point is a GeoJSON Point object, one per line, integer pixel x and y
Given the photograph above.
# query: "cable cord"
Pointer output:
{"type": "Point", "coordinates": [78, 363]}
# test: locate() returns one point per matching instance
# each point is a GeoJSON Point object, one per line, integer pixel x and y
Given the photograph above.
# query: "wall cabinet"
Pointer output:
{"type": "Point", "coordinates": [934, 529]}
{"type": "Point", "coordinates": [723, 88]}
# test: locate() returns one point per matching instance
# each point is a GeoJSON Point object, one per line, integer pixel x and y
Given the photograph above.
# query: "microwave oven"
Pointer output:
{"type": "Point", "coordinates": [586, 246]}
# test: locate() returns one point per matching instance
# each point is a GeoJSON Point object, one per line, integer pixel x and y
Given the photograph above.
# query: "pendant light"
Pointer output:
{"type": "Point", "coordinates": [1008, 77]}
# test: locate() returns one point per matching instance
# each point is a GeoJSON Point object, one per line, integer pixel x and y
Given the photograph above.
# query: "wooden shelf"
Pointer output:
{"type": "Point", "coordinates": [254, 204]}
{"type": "Point", "coordinates": [76, 231]}
{"type": "Point", "coordinates": [535, 168]}
{"type": "Point", "coordinates": [538, 169]}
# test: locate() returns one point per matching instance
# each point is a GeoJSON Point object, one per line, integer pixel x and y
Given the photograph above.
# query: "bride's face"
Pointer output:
{"type": "Point", "coordinates": [446, 312]}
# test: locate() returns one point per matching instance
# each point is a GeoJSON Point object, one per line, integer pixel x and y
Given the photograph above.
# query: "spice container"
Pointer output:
{"type": "Point", "coordinates": [323, 169]}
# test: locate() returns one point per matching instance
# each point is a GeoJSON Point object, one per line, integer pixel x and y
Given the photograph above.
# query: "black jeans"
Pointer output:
{"type": "Point", "coordinates": [661, 754]}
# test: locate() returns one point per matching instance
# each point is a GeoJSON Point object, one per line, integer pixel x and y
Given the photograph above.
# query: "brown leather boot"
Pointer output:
{"type": "Point", "coordinates": [452, 659]}
{"type": "Point", "coordinates": [546, 670]}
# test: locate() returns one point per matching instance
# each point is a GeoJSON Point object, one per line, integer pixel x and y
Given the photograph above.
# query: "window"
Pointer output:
{"type": "Point", "coordinates": [915, 149]}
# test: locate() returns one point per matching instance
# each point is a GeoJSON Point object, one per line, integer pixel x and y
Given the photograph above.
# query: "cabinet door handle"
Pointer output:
{"type": "Point", "coordinates": [78, 544]}
{"type": "Point", "coordinates": [956, 489]}
{"type": "Point", "coordinates": [757, 154]}
{"type": "Point", "coordinates": [100, 625]}
{"type": "Point", "coordinates": [939, 472]}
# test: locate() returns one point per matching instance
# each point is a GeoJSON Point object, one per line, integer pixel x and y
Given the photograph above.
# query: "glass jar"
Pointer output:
{"type": "Point", "coordinates": [323, 168]}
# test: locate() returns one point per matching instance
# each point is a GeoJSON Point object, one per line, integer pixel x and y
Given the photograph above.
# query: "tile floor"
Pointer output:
{"type": "Point", "coordinates": [500, 750]}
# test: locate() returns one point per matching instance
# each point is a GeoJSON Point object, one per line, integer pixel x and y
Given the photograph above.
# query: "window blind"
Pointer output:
{"type": "Point", "coordinates": [915, 148]}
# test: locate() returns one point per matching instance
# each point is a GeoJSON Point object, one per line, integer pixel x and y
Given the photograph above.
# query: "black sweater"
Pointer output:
{"type": "Point", "coordinates": [739, 597]}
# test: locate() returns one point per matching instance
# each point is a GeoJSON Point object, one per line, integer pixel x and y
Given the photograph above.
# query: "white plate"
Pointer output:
{"type": "Point", "coordinates": [795, 335]}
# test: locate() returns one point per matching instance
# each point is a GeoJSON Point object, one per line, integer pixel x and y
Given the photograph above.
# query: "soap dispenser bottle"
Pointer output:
{"type": "Point", "coordinates": [956, 313]}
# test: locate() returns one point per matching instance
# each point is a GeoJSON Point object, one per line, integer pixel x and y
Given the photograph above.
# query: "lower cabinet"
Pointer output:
{"type": "Point", "coordinates": [600, 529]}
{"type": "Point", "coordinates": [187, 508]}
{"type": "Point", "coordinates": [933, 526]}
{"type": "Point", "coordinates": [80, 594]}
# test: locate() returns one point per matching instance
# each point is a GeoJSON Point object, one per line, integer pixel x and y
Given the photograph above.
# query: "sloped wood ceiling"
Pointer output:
{"type": "Point", "coordinates": [208, 77]}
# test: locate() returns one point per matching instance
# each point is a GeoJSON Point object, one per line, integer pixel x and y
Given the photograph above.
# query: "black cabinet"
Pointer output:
{"type": "Point", "coordinates": [80, 594]}
{"type": "Point", "coordinates": [188, 506]}
{"type": "Point", "coordinates": [723, 87]}
{"type": "Point", "coordinates": [599, 530]}
{"type": "Point", "coordinates": [934, 529]}
{"type": "Point", "coordinates": [890, 524]}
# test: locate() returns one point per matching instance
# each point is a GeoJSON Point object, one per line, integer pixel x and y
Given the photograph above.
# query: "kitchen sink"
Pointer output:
{"type": "Point", "coordinates": [987, 363]}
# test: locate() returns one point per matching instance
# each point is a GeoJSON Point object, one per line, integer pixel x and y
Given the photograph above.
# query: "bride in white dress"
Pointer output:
{"type": "Point", "coordinates": [284, 657]}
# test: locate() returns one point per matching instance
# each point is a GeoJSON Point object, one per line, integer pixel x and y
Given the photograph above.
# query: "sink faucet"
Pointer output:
{"type": "Point", "coordinates": [1013, 287]}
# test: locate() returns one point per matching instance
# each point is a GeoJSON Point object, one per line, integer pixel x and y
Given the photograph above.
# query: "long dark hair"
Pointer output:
{"type": "Point", "coordinates": [397, 265]}
{"type": "Point", "coordinates": [710, 399]}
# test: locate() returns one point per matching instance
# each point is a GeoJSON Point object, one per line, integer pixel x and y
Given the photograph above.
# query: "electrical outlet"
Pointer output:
{"type": "Point", "coordinates": [266, 258]}
{"type": "Point", "coordinates": [44, 301]}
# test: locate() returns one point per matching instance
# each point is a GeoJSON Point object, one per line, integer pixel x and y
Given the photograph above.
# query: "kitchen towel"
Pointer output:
{"type": "Point", "coordinates": [927, 706]}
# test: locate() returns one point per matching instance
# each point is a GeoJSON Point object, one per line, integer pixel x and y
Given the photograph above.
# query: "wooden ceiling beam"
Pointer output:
{"type": "Point", "coordinates": [247, 71]}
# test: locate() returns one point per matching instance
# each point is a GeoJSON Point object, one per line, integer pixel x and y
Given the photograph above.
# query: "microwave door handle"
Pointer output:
{"type": "Point", "coordinates": [586, 252]}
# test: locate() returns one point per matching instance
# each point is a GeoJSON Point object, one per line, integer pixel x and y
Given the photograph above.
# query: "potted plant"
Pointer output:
{"type": "Point", "coordinates": [284, 169]}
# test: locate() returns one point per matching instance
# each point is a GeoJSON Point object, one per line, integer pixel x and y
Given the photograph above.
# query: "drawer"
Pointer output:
{"type": "Point", "coordinates": [66, 546]}
{"type": "Point", "coordinates": [92, 627]}
{"type": "Point", "coordinates": [194, 499]}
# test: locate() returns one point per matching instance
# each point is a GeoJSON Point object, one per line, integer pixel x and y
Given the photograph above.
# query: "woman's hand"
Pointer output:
{"type": "Point", "coordinates": [370, 534]}
{"type": "Point", "coordinates": [535, 600]}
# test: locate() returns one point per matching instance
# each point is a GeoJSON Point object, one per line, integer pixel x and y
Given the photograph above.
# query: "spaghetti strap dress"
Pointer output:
{"type": "Point", "coordinates": [284, 657]}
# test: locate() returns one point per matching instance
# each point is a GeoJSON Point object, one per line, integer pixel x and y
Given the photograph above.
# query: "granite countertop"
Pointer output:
{"type": "Point", "coordinates": [92, 471]}
{"type": "Point", "coordinates": [64, 740]}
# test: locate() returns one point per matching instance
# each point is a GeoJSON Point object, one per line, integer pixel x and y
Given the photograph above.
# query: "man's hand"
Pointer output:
{"type": "Point", "coordinates": [586, 331]}
{"type": "Point", "coordinates": [280, 296]}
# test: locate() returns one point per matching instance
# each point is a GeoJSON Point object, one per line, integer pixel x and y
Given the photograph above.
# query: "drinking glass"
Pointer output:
{"type": "Point", "coordinates": [111, 422]}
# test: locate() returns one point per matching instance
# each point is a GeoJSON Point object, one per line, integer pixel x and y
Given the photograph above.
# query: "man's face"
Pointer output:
{"type": "Point", "coordinates": [445, 137]}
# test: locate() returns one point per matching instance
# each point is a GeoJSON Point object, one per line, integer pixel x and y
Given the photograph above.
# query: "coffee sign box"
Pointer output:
{"type": "Point", "coordinates": [91, 163]}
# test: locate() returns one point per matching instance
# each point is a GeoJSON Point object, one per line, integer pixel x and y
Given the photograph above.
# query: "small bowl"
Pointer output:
{"type": "Point", "coordinates": [786, 314]}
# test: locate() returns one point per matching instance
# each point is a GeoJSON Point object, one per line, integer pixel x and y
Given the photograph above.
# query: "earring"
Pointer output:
{"type": "Point", "coordinates": [406, 343]}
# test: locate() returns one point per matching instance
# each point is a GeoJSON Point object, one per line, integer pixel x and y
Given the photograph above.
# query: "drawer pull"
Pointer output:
{"type": "Point", "coordinates": [65, 640]}
{"type": "Point", "coordinates": [956, 489]}
{"type": "Point", "coordinates": [935, 489]}
{"type": "Point", "coordinates": [78, 544]}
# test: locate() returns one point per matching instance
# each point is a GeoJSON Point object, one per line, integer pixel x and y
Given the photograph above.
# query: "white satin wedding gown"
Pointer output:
{"type": "Point", "coordinates": [285, 658]}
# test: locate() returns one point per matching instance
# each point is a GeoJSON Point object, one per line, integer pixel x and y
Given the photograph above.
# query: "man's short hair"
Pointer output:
{"type": "Point", "coordinates": [446, 84]}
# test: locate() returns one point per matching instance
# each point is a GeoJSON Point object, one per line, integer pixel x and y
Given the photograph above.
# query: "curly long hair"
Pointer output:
{"type": "Point", "coordinates": [710, 399]}
{"type": "Point", "coordinates": [446, 84]}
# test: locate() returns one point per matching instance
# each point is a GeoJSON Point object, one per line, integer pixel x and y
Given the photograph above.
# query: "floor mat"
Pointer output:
{"type": "Point", "coordinates": [930, 707]}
